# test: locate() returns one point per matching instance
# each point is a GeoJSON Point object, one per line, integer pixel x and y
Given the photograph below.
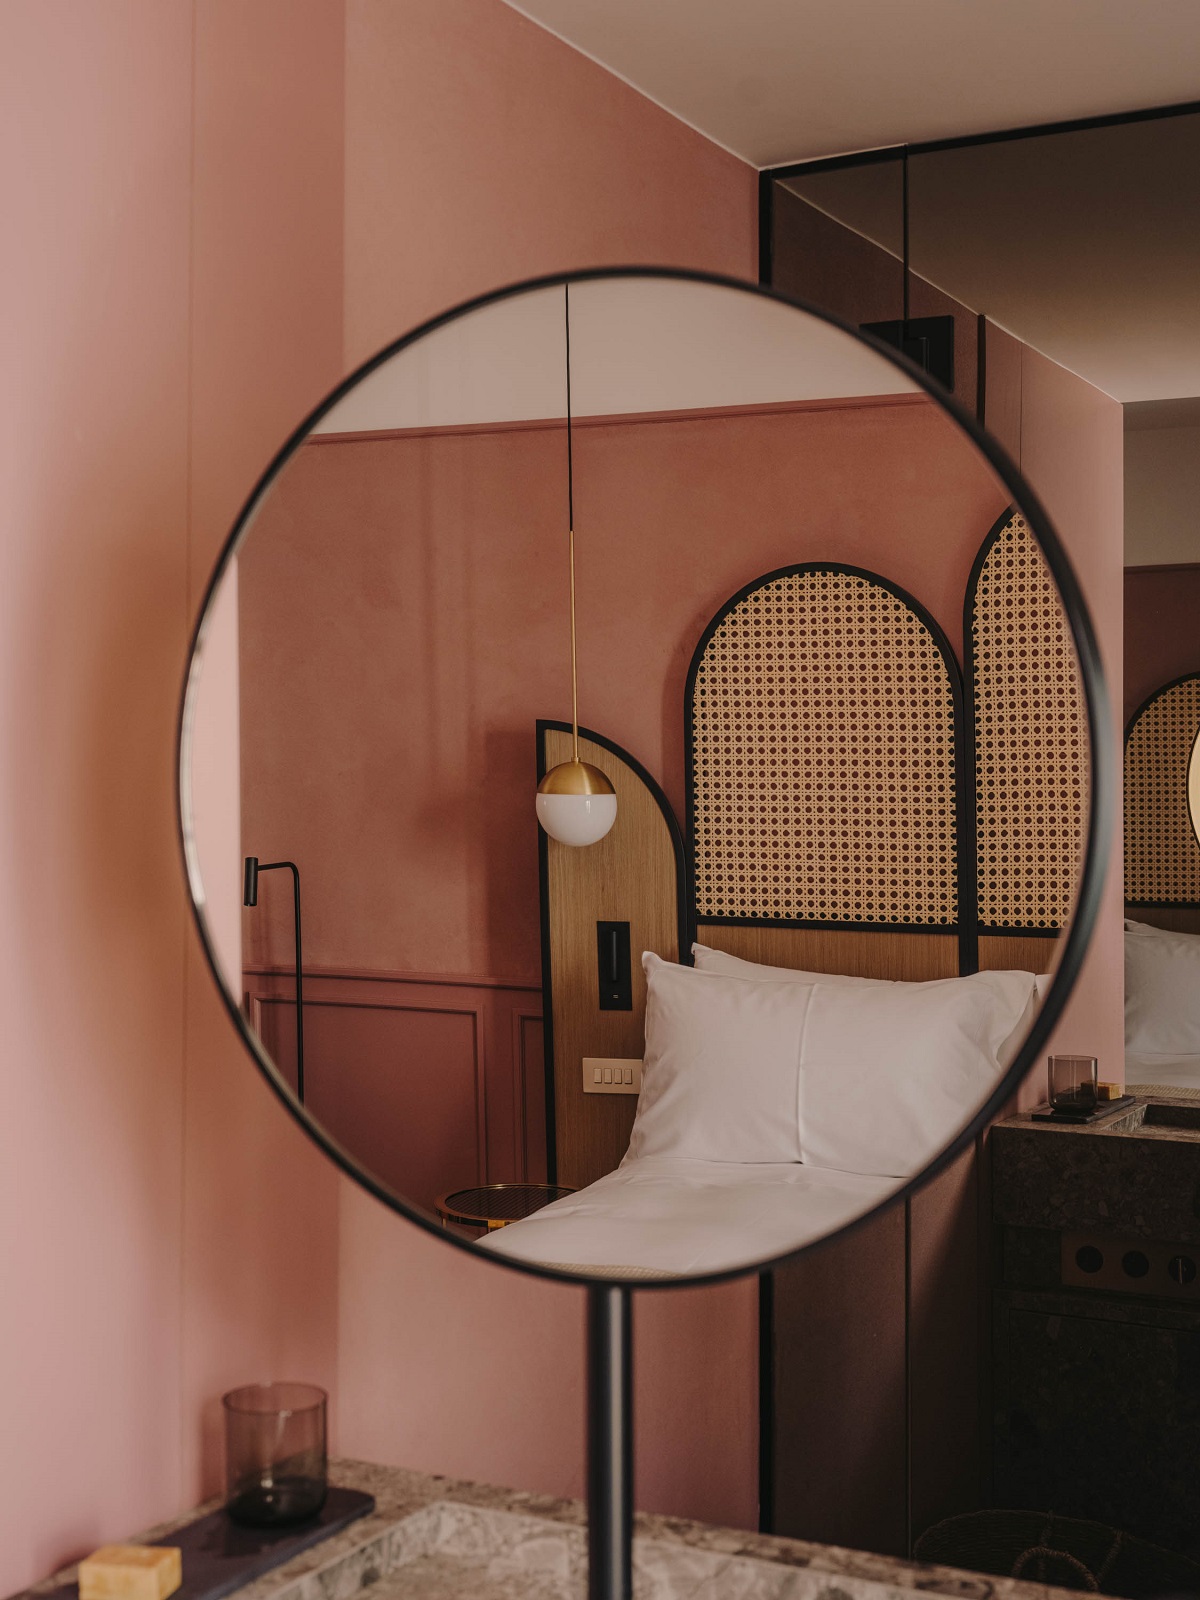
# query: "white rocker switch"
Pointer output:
{"type": "Point", "coordinates": [611, 1075]}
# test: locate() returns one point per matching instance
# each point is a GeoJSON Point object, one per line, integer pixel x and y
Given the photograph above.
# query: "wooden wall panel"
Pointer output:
{"type": "Point", "coordinates": [911, 956]}
{"type": "Point", "coordinates": [1016, 953]}
{"type": "Point", "coordinates": [432, 1083]}
{"type": "Point", "coordinates": [1179, 919]}
{"type": "Point", "coordinates": [945, 1403]}
{"type": "Point", "coordinates": [839, 1448]}
{"type": "Point", "coordinates": [628, 877]}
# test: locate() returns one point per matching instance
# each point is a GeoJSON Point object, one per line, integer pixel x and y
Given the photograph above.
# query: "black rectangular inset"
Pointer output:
{"type": "Point", "coordinates": [929, 341]}
{"type": "Point", "coordinates": [613, 969]}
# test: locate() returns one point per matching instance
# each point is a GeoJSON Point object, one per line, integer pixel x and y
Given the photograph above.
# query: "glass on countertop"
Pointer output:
{"type": "Point", "coordinates": [1072, 1083]}
{"type": "Point", "coordinates": [275, 1452]}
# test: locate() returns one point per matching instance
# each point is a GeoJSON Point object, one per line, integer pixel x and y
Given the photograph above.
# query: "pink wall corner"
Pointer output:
{"type": "Point", "coordinates": [449, 1364]}
{"type": "Point", "coordinates": [261, 1205]}
{"type": "Point", "coordinates": [479, 150]}
{"type": "Point", "coordinates": [478, 1372]}
{"type": "Point", "coordinates": [94, 152]}
{"type": "Point", "coordinates": [1072, 451]}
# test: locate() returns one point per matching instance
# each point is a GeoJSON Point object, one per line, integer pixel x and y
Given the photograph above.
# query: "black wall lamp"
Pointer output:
{"type": "Point", "coordinates": [250, 898]}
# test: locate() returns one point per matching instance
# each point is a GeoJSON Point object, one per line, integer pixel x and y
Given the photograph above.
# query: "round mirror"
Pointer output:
{"type": "Point", "coordinates": [636, 776]}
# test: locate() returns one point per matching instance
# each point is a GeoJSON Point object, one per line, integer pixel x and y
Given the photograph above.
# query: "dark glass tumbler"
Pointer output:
{"type": "Point", "coordinates": [275, 1457]}
{"type": "Point", "coordinates": [1071, 1081]}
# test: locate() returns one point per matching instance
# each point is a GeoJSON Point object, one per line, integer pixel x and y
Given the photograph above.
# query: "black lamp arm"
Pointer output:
{"type": "Point", "coordinates": [253, 867]}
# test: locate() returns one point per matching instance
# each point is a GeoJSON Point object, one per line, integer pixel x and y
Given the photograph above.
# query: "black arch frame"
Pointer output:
{"type": "Point", "coordinates": [971, 769]}
{"type": "Point", "coordinates": [683, 898]}
{"type": "Point", "coordinates": [1101, 803]}
{"type": "Point", "coordinates": [1184, 677]}
{"type": "Point", "coordinates": [964, 847]}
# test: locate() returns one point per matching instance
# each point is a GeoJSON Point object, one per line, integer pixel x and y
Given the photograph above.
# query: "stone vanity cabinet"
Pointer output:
{"type": "Point", "coordinates": [1096, 1319]}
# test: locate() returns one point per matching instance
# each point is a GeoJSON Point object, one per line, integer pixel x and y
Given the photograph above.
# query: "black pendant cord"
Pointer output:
{"type": "Point", "coordinates": [904, 246]}
{"type": "Point", "coordinates": [571, 535]}
{"type": "Point", "coordinates": [570, 451]}
{"type": "Point", "coordinates": [610, 1442]}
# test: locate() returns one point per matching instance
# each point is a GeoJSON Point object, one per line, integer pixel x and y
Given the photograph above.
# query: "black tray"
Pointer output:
{"type": "Point", "coordinates": [1074, 1118]}
{"type": "Point", "coordinates": [219, 1555]}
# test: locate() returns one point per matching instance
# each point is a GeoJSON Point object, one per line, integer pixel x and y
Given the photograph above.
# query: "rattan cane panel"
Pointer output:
{"type": "Point", "coordinates": [1031, 740]}
{"type": "Point", "coordinates": [823, 759]}
{"type": "Point", "coordinates": [1162, 859]}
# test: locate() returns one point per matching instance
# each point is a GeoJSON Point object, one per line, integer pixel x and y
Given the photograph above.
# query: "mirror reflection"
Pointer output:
{"type": "Point", "coordinates": [756, 967]}
{"type": "Point", "coordinates": [1062, 266]}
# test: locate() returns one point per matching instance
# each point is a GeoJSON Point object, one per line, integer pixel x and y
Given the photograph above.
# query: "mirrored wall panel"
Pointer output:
{"type": "Point", "coordinates": [1063, 258]}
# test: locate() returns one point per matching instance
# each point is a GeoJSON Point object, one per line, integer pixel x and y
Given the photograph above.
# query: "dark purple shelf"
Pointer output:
{"type": "Point", "coordinates": [219, 1555]}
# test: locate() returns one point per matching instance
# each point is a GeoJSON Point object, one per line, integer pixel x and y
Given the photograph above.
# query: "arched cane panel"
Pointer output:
{"type": "Point", "coordinates": [1029, 726]}
{"type": "Point", "coordinates": [822, 714]}
{"type": "Point", "coordinates": [1162, 858]}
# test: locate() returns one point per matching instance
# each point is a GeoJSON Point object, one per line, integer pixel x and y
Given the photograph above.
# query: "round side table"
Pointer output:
{"type": "Point", "coordinates": [495, 1205]}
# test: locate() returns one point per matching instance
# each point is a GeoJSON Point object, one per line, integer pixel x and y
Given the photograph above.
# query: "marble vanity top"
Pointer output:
{"type": "Point", "coordinates": [433, 1538]}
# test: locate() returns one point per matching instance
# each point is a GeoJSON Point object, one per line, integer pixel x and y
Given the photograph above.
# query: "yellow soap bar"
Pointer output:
{"type": "Point", "coordinates": [131, 1572]}
{"type": "Point", "coordinates": [1109, 1091]}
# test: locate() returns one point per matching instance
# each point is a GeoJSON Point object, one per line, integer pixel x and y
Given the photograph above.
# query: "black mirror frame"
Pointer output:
{"type": "Point", "coordinates": [1101, 804]}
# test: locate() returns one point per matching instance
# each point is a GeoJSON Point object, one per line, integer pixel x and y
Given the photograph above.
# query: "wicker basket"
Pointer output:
{"type": "Point", "coordinates": [1065, 1551]}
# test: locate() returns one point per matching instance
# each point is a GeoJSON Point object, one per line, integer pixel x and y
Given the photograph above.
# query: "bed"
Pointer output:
{"type": "Point", "coordinates": [660, 1217]}
{"type": "Point", "coordinates": [921, 854]}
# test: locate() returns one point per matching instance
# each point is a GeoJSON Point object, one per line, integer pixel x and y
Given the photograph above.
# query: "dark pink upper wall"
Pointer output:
{"type": "Point", "coordinates": [1162, 640]}
{"type": "Point", "coordinates": [404, 623]}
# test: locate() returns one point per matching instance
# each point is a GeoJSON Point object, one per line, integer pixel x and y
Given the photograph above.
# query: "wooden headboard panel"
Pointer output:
{"type": "Point", "coordinates": [823, 719]}
{"type": "Point", "coordinates": [1027, 750]}
{"type": "Point", "coordinates": [634, 875]}
{"type": "Point", "coordinates": [843, 814]}
{"type": "Point", "coordinates": [1162, 858]}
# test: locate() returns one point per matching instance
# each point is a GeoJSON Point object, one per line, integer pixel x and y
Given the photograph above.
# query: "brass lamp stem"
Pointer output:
{"type": "Point", "coordinates": [574, 672]}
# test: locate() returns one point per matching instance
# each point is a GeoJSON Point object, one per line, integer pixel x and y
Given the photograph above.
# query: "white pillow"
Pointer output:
{"type": "Point", "coordinates": [1162, 991]}
{"type": "Point", "coordinates": [890, 1072]}
{"type": "Point", "coordinates": [710, 960]}
{"type": "Point", "coordinates": [721, 1067]}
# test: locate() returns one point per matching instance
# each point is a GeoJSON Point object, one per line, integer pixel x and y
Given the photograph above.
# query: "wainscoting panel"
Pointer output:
{"type": "Point", "coordinates": [433, 1082]}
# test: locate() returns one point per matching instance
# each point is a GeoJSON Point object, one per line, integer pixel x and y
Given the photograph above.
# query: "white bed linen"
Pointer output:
{"type": "Point", "coordinates": [671, 1215]}
{"type": "Point", "coordinates": [1163, 1072]}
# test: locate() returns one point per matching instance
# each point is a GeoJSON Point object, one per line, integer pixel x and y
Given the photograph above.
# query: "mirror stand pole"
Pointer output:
{"type": "Point", "coordinates": [610, 1443]}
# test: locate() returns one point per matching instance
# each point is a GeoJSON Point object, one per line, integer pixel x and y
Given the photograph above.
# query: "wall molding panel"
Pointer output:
{"type": "Point", "coordinates": [436, 1080]}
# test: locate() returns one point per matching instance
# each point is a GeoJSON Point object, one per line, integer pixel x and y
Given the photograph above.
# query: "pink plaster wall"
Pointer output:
{"type": "Point", "coordinates": [150, 1187]}
{"type": "Point", "coordinates": [173, 184]}
{"type": "Point", "coordinates": [94, 157]}
{"type": "Point", "coordinates": [402, 621]}
{"type": "Point", "coordinates": [260, 1219]}
{"type": "Point", "coordinates": [479, 150]}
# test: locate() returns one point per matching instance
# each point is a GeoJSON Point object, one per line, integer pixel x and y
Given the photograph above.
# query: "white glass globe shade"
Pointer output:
{"type": "Point", "coordinates": [577, 819]}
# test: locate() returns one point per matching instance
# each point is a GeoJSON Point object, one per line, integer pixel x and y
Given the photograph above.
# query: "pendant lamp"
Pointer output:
{"type": "Point", "coordinates": [576, 802]}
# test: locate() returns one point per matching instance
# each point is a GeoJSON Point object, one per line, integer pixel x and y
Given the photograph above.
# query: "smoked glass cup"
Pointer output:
{"type": "Point", "coordinates": [1072, 1083]}
{"type": "Point", "coordinates": [275, 1453]}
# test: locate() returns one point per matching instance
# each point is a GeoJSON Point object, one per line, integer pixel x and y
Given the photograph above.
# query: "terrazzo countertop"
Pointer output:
{"type": "Point", "coordinates": [433, 1538]}
{"type": "Point", "coordinates": [1123, 1173]}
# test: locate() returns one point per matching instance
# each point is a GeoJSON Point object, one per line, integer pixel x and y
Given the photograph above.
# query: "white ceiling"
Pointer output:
{"type": "Point", "coordinates": [787, 80]}
{"type": "Point", "coordinates": [637, 345]}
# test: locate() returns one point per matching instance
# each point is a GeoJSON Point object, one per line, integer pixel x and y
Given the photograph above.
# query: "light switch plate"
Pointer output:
{"type": "Point", "coordinates": [611, 1075]}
